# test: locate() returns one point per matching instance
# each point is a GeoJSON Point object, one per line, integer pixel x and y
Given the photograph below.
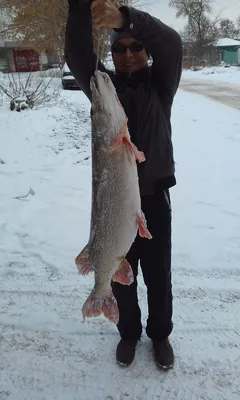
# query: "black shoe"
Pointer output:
{"type": "Point", "coordinates": [126, 352]}
{"type": "Point", "coordinates": [163, 353]}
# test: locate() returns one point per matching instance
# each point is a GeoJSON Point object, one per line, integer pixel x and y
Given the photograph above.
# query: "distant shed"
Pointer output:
{"type": "Point", "coordinates": [230, 50]}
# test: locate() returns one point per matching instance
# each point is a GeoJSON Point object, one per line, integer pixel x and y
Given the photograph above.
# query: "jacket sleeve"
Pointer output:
{"type": "Point", "coordinates": [164, 45]}
{"type": "Point", "coordinates": [79, 53]}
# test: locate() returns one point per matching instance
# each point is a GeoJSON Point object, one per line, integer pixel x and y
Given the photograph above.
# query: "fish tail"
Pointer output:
{"type": "Point", "coordinates": [106, 305]}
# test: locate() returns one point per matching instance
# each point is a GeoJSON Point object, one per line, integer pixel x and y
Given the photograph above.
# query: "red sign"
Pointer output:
{"type": "Point", "coordinates": [26, 60]}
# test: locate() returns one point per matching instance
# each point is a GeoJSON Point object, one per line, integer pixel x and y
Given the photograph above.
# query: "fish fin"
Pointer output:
{"type": "Point", "coordinates": [95, 306]}
{"type": "Point", "coordinates": [118, 138]}
{"type": "Point", "coordinates": [142, 226]}
{"type": "Point", "coordinates": [124, 273]}
{"type": "Point", "coordinates": [121, 138]}
{"type": "Point", "coordinates": [139, 155]}
{"type": "Point", "coordinates": [83, 262]}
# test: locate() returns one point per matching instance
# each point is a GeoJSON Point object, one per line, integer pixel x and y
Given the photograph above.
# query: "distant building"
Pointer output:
{"type": "Point", "coordinates": [230, 50]}
{"type": "Point", "coordinates": [16, 57]}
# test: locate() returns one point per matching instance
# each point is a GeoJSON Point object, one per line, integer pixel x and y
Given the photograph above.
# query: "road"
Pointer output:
{"type": "Point", "coordinates": [228, 94]}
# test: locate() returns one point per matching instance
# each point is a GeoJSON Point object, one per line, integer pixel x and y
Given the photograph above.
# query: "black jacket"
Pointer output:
{"type": "Point", "coordinates": [146, 95]}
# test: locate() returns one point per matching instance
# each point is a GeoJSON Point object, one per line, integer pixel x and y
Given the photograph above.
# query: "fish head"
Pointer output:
{"type": "Point", "coordinates": [105, 102]}
{"type": "Point", "coordinates": [102, 89]}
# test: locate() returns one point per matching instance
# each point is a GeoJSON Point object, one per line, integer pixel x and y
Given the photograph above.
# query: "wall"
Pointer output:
{"type": "Point", "coordinates": [3, 60]}
{"type": "Point", "coordinates": [230, 56]}
{"type": "Point", "coordinates": [11, 62]}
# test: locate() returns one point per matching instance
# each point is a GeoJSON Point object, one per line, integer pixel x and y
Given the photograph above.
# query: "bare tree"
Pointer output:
{"type": "Point", "coordinates": [238, 27]}
{"type": "Point", "coordinates": [201, 29]}
{"type": "Point", "coordinates": [40, 24]}
{"type": "Point", "coordinates": [238, 22]}
{"type": "Point", "coordinates": [228, 28]}
{"type": "Point", "coordinates": [191, 8]}
{"type": "Point", "coordinates": [29, 90]}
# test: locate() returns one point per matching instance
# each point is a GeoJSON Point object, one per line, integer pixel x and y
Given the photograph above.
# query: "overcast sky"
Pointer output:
{"type": "Point", "coordinates": [160, 9]}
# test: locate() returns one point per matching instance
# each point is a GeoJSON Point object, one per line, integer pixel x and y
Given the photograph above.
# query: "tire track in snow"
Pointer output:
{"type": "Point", "coordinates": [221, 273]}
{"type": "Point", "coordinates": [59, 338]}
{"type": "Point", "coordinates": [48, 354]}
{"type": "Point", "coordinates": [84, 370]}
{"type": "Point", "coordinates": [218, 91]}
{"type": "Point", "coordinates": [83, 353]}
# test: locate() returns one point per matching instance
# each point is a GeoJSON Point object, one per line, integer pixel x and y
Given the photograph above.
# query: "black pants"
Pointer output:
{"type": "Point", "coordinates": [155, 261]}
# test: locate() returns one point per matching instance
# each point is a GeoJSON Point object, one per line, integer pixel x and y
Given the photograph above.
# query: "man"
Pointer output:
{"type": "Point", "coordinates": [146, 93]}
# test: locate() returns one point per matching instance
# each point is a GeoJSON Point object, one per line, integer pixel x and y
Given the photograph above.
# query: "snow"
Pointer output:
{"type": "Point", "coordinates": [227, 42]}
{"type": "Point", "coordinates": [68, 78]}
{"type": "Point", "coordinates": [47, 353]}
{"type": "Point", "coordinates": [66, 68]}
{"type": "Point", "coordinates": [218, 74]}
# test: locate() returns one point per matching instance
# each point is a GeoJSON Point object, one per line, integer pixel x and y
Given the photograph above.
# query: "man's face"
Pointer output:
{"type": "Point", "coordinates": [129, 55]}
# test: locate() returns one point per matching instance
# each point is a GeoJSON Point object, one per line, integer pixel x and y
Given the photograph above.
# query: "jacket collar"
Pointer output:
{"type": "Point", "coordinates": [133, 80]}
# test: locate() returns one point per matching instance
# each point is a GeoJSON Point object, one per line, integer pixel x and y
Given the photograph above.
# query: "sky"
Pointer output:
{"type": "Point", "coordinates": [161, 9]}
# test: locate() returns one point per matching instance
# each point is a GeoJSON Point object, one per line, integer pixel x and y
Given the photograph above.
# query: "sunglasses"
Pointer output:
{"type": "Point", "coordinates": [121, 48]}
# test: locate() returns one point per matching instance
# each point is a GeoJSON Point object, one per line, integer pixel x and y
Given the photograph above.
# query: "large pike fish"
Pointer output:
{"type": "Point", "coordinates": [116, 215]}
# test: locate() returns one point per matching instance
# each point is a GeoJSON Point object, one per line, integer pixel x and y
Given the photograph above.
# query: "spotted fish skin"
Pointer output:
{"type": "Point", "coordinates": [116, 215]}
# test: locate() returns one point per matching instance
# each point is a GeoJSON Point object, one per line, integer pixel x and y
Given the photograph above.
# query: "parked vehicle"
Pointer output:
{"type": "Point", "coordinates": [68, 80]}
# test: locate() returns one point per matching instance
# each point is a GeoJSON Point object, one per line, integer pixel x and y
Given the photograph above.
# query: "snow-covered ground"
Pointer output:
{"type": "Point", "coordinates": [47, 353]}
{"type": "Point", "coordinates": [219, 74]}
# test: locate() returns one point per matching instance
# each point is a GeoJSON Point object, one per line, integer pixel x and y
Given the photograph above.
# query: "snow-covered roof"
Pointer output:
{"type": "Point", "coordinates": [227, 42]}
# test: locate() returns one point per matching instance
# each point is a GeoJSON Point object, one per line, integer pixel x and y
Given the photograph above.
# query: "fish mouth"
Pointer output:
{"type": "Point", "coordinates": [95, 84]}
{"type": "Point", "coordinates": [95, 87]}
{"type": "Point", "coordinates": [101, 88]}
{"type": "Point", "coordinates": [96, 93]}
